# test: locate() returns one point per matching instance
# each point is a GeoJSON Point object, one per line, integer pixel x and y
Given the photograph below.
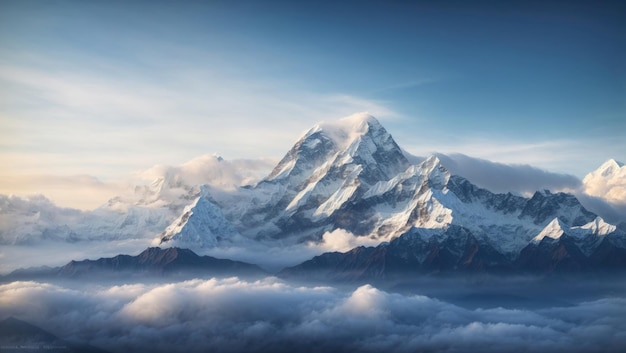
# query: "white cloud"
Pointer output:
{"type": "Point", "coordinates": [501, 177]}
{"type": "Point", "coordinates": [213, 170]}
{"type": "Point", "coordinates": [608, 183]}
{"type": "Point", "coordinates": [342, 240]}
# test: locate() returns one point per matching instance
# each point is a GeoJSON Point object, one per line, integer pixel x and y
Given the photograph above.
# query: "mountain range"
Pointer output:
{"type": "Point", "coordinates": [154, 261]}
{"type": "Point", "coordinates": [350, 176]}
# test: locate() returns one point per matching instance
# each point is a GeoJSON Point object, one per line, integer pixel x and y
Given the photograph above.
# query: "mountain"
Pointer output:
{"type": "Point", "coordinates": [34, 219]}
{"type": "Point", "coordinates": [348, 179]}
{"type": "Point", "coordinates": [558, 248]}
{"type": "Point", "coordinates": [330, 167]}
{"type": "Point", "coordinates": [143, 212]}
{"type": "Point", "coordinates": [351, 175]}
{"type": "Point", "coordinates": [152, 261]}
{"type": "Point", "coordinates": [17, 336]}
{"type": "Point", "coordinates": [201, 223]}
{"type": "Point", "coordinates": [555, 249]}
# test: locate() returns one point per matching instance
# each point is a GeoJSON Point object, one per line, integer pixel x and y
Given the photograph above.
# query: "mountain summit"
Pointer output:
{"type": "Point", "coordinates": [332, 166]}
{"type": "Point", "coordinates": [358, 139]}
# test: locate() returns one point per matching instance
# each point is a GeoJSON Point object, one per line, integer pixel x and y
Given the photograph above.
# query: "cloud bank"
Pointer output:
{"type": "Point", "coordinates": [500, 177]}
{"type": "Point", "coordinates": [231, 315]}
{"type": "Point", "coordinates": [212, 170]}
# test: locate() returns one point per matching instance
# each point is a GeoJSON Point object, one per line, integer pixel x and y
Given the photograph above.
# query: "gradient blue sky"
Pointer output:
{"type": "Point", "coordinates": [106, 88]}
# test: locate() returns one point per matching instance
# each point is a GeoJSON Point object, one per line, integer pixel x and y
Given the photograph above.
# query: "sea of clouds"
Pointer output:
{"type": "Point", "coordinates": [269, 315]}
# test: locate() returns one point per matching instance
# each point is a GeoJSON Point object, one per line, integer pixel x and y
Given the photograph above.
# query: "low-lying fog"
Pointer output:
{"type": "Point", "coordinates": [271, 315]}
{"type": "Point", "coordinates": [268, 256]}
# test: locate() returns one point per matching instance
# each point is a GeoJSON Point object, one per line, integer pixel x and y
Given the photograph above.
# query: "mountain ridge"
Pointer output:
{"type": "Point", "coordinates": [154, 261]}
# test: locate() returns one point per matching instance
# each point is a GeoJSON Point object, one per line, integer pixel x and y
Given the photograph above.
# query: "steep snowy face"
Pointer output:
{"type": "Point", "coordinates": [201, 224]}
{"type": "Point", "coordinates": [553, 230]}
{"type": "Point", "coordinates": [358, 139]}
{"type": "Point", "coordinates": [438, 175]}
{"type": "Point", "coordinates": [411, 199]}
{"type": "Point", "coordinates": [597, 227]}
{"type": "Point", "coordinates": [363, 141]}
{"type": "Point", "coordinates": [607, 182]}
{"type": "Point", "coordinates": [330, 167]}
{"type": "Point", "coordinates": [308, 153]}
{"type": "Point", "coordinates": [426, 196]}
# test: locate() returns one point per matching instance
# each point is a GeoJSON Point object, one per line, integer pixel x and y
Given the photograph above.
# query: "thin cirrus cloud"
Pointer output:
{"type": "Point", "coordinates": [271, 315]}
{"type": "Point", "coordinates": [78, 112]}
{"type": "Point", "coordinates": [111, 124]}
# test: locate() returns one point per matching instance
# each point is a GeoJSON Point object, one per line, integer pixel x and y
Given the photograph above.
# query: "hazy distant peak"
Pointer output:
{"type": "Point", "coordinates": [610, 167]}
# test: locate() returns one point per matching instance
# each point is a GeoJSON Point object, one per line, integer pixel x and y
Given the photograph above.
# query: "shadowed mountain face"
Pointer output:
{"type": "Point", "coordinates": [20, 336]}
{"type": "Point", "coordinates": [152, 261]}
{"type": "Point", "coordinates": [456, 250]}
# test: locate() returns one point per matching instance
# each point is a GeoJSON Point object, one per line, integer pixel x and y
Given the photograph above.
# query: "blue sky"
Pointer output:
{"type": "Point", "coordinates": [106, 88]}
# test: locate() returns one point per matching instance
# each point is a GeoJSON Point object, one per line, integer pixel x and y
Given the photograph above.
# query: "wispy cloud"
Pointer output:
{"type": "Point", "coordinates": [110, 114]}
{"type": "Point", "coordinates": [406, 85]}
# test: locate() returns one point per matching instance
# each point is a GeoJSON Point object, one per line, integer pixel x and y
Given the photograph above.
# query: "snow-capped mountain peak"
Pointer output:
{"type": "Point", "coordinates": [344, 131]}
{"type": "Point", "coordinates": [438, 175]}
{"type": "Point", "coordinates": [610, 168]}
{"type": "Point", "coordinates": [356, 139]}
{"type": "Point", "coordinates": [201, 223]}
{"type": "Point", "coordinates": [554, 230]}
{"type": "Point", "coordinates": [597, 227]}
